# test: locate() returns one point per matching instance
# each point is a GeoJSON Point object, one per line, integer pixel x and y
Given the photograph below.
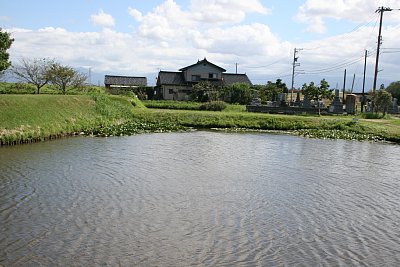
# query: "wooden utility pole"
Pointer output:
{"type": "Point", "coordinates": [380, 10]}
{"type": "Point", "coordinates": [295, 64]}
{"type": "Point", "coordinates": [363, 87]}
{"type": "Point", "coordinates": [344, 86]}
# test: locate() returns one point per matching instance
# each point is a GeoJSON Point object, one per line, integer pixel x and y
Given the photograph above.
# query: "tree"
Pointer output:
{"type": "Point", "coordinates": [281, 86]}
{"type": "Point", "coordinates": [394, 89]}
{"type": "Point", "coordinates": [33, 71]}
{"type": "Point", "coordinates": [63, 76]}
{"type": "Point", "coordinates": [238, 93]}
{"type": "Point", "coordinates": [318, 92]}
{"type": "Point", "coordinates": [382, 100]}
{"type": "Point", "coordinates": [271, 91]}
{"type": "Point", "coordinates": [5, 44]}
{"type": "Point", "coordinates": [203, 91]}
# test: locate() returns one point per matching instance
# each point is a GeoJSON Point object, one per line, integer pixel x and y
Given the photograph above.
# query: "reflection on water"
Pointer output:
{"type": "Point", "coordinates": [200, 199]}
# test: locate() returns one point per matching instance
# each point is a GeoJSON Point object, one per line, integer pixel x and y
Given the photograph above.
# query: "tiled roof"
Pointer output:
{"type": "Point", "coordinates": [204, 61]}
{"type": "Point", "coordinates": [231, 78]}
{"type": "Point", "coordinates": [125, 80]}
{"type": "Point", "coordinates": [170, 78]}
{"type": "Point", "coordinates": [176, 78]}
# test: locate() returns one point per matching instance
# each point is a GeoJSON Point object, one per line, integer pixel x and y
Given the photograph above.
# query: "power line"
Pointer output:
{"type": "Point", "coordinates": [268, 65]}
{"type": "Point", "coordinates": [390, 52]}
{"type": "Point", "coordinates": [335, 66]}
{"type": "Point", "coordinates": [348, 35]}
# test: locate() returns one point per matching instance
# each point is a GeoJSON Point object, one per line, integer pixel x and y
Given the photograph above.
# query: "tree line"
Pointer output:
{"type": "Point", "coordinates": [38, 72]}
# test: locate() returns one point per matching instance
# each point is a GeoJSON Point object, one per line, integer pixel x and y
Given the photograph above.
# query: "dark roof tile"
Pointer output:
{"type": "Point", "coordinates": [231, 78]}
{"type": "Point", "coordinates": [204, 61]}
{"type": "Point", "coordinates": [125, 80]}
{"type": "Point", "coordinates": [170, 78]}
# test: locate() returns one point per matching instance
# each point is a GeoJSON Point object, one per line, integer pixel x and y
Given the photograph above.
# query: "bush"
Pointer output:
{"type": "Point", "coordinates": [213, 106]}
{"type": "Point", "coordinates": [372, 115]}
{"type": "Point", "coordinates": [172, 104]}
{"type": "Point", "coordinates": [16, 88]}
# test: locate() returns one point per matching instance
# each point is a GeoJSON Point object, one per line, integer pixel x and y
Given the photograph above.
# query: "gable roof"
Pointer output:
{"type": "Point", "coordinates": [204, 61]}
{"type": "Point", "coordinates": [176, 78]}
{"type": "Point", "coordinates": [231, 78]}
{"type": "Point", "coordinates": [170, 78]}
{"type": "Point", "coordinates": [125, 80]}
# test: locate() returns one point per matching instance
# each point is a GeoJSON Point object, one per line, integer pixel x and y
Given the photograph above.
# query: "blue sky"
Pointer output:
{"type": "Point", "coordinates": [139, 38]}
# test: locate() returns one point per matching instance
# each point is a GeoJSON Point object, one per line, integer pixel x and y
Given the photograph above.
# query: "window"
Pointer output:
{"type": "Point", "coordinates": [171, 91]}
{"type": "Point", "coordinates": [196, 78]}
{"type": "Point", "coordinates": [212, 75]}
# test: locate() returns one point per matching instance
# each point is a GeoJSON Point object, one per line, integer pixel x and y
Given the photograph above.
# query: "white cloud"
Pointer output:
{"type": "Point", "coordinates": [314, 12]}
{"type": "Point", "coordinates": [103, 19]}
{"type": "Point", "coordinates": [170, 37]}
{"type": "Point", "coordinates": [223, 11]}
{"type": "Point", "coordinates": [135, 13]}
{"type": "Point", "coordinates": [4, 18]}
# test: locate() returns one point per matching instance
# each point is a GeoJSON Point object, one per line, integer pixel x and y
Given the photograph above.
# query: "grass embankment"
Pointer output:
{"type": "Point", "coordinates": [26, 118]}
{"type": "Point", "coordinates": [332, 127]}
{"type": "Point", "coordinates": [185, 105]}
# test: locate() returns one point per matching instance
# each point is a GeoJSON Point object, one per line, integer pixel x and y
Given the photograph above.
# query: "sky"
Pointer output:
{"type": "Point", "coordinates": [142, 37]}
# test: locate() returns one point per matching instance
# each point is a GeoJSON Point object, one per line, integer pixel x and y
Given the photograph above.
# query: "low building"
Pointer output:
{"type": "Point", "coordinates": [173, 85]}
{"type": "Point", "coordinates": [124, 81]}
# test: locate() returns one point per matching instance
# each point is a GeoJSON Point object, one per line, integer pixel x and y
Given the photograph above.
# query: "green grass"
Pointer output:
{"type": "Point", "coordinates": [172, 104]}
{"type": "Point", "coordinates": [24, 88]}
{"type": "Point", "coordinates": [25, 118]}
{"type": "Point", "coordinates": [38, 117]}
{"type": "Point", "coordinates": [235, 108]}
{"type": "Point", "coordinates": [311, 126]}
{"type": "Point", "coordinates": [185, 105]}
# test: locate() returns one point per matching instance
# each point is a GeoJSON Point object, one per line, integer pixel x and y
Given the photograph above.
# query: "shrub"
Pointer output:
{"type": "Point", "coordinates": [213, 106]}
{"type": "Point", "coordinates": [172, 104]}
{"type": "Point", "coordinates": [372, 115]}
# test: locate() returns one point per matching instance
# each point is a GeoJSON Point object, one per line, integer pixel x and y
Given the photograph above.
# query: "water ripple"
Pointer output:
{"type": "Point", "coordinates": [199, 199]}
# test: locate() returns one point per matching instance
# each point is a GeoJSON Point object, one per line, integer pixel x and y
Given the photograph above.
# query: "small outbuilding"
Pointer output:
{"type": "Point", "coordinates": [124, 81]}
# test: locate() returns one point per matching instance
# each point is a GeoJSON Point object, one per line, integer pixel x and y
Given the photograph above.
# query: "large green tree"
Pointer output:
{"type": "Point", "coordinates": [5, 44]}
{"type": "Point", "coordinates": [394, 89]}
{"type": "Point", "coordinates": [238, 93]}
{"type": "Point", "coordinates": [34, 71]}
{"type": "Point", "coordinates": [319, 92]}
{"type": "Point", "coordinates": [203, 91]}
{"type": "Point", "coordinates": [270, 91]}
{"type": "Point", "coordinates": [64, 76]}
{"type": "Point", "coordinates": [382, 100]}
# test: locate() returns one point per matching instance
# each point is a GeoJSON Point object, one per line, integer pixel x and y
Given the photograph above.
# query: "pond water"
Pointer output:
{"type": "Point", "coordinates": [200, 199]}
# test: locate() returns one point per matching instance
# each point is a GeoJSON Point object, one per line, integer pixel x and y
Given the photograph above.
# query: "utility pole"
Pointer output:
{"type": "Point", "coordinates": [90, 76]}
{"type": "Point", "coordinates": [380, 10]}
{"type": "Point", "coordinates": [363, 87]}
{"type": "Point", "coordinates": [344, 86]}
{"type": "Point", "coordinates": [236, 64]}
{"type": "Point", "coordinates": [352, 83]}
{"type": "Point", "coordinates": [295, 64]}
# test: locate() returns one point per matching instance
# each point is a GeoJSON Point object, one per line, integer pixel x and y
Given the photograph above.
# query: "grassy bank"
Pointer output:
{"type": "Point", "coordinates": [26, 118]}
{"type": "Point", "coordinates": [334, 127]}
